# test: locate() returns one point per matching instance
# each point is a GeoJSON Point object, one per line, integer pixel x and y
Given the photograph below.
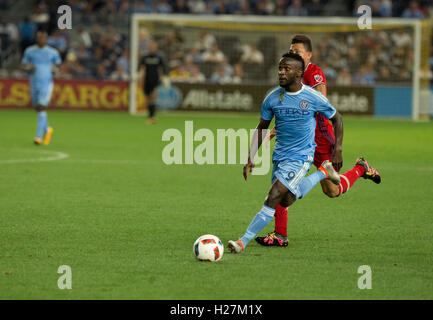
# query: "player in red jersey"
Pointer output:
{"type": "Point", "coordinates": [325, 150]}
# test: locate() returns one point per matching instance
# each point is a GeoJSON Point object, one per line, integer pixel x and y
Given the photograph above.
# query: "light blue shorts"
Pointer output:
{"type": "Point", "coordinates": [41, 95]}
{"type": "Point", "coordinates": [290, 173]}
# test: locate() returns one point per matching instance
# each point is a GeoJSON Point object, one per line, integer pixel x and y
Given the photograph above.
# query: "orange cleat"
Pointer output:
{"type": "Point", "coordinates": [48, 135]}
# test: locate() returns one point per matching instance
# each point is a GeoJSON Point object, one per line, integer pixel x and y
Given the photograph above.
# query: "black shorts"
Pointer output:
{"type": "Point", "coordinates": [149, 87]}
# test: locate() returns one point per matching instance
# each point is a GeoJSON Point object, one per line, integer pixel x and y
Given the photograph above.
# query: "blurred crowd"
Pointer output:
{"type": "Point", "coordinates": [355, 58]}
{"type": "Point", "coordinates": [94, 50]}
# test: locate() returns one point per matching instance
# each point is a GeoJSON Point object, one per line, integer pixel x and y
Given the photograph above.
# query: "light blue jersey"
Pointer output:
{"type": "Point", "coordinates": [41, 79]}
{"type": "Point", "coordinates": [43, 59]}
{"type": "Point", "coordinates": [295, 121]}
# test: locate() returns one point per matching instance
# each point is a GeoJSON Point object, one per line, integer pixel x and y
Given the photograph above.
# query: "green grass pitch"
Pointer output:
{"type": "Point", "coordinates": [125, 222]}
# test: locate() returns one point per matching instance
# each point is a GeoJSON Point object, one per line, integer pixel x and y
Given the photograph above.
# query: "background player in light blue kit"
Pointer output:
{"type": "Point", "coordinates": [41, 62]}
{"type": "Point", "coordinates": [294, 107]}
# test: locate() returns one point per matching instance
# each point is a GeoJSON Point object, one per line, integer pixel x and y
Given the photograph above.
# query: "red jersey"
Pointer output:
{"type": "Point", "coordinates": [325, 139]}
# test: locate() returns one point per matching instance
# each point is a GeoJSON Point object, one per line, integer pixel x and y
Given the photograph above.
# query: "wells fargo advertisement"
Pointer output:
{"type": "Point", "coordinates": [114, 95]}
{"type": "Point", "coordinates": [70, 94]}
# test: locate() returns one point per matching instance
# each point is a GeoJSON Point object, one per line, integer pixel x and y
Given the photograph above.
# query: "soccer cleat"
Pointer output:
{"type": "Point", "coordinates": [48, 135]}
{"type": "Point", "coordinates": [235, 246]}
{"type": "Point", "coordinates": [327, 168]}
{"type": "Point", "coordinates": [369, 172]}
{"type": "Point", "coordinates": [37, 141]}
{"type": "Point", "coordinates": [273, 239]}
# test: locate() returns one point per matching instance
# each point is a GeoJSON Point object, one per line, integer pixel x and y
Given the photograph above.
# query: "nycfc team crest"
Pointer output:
{"type": "Point", "coordinates": [303, 105]}
{"type": "Point", "coordinates": [318, 77]}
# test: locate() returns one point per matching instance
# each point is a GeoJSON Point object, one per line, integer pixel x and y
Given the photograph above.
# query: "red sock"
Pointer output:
{"type": "Point", "coordinates": [348, 178]}
{"type": "Point", "coordinates": [281, 220]}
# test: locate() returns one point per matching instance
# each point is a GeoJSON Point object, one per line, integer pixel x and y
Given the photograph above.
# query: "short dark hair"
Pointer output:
{"type": "Point", "coordinates": [295, 56]}
{"type": "Point", "coordinates": [305, 40]}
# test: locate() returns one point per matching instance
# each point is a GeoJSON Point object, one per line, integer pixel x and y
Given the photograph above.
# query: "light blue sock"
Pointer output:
{"type": "Point", "coordinates": [42, 123]}
{"type": "Point", "coordinates": [259, 222]}
{"type": "Point", "coordinates": [46, 122]}
{"type": "Point", "coordinates": [307, 183]}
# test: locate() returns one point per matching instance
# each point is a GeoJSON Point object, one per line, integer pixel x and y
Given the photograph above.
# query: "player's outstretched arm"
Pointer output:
{"type": "Point", "coordinates": [337, 155]}
{"type": "Point", "coordinates": [255, 145]}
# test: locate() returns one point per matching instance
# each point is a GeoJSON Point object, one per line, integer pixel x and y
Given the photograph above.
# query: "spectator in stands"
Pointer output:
{"type": "Point", "coordinates": [220, 8]}
{"type": "Point", "coordinates": [232, 6]}
{"type": "Point", "coordinates": [172, 46]}
{"type": "Point", "coordinates": [401, 38]}
{"type": "Point", "coordinates": [237, 74]}
{"type": "Point", "coordinates": [213, 55]}
{"type": "Point", "coordinates": [205, 42]}
{"type": "Point", "coordinates": [199, 7]}
{"type": "Point", "coordinates": [178, 74]}
{"type": "Point", "coordinates": [221, 75]}
{"type": "Point", "coordinates": [413, 11]}
{"type": "Point", "coordinates": [123, 60]}
{"type": "Point", "coordinates": [195, 55]}
{"type": "Point", "coordinates": [384, 73]}
{"type": "Point", "coordinates": [65, 72]}
{"type": "Point", "coordinates": [180, 6]}
{"type": "Point", "coordinates": [188, 64]}
{"type": "Point", "coordinates": [251, 54]}
{"type": "Point", "coordinates": [139, 7]}
{"type": "Point", "coordinates": [344, 78]}
{"type": "Point", "coordinates": [96, 34]}
{"type": "Point", "coordinates": [297, 9]}
{"type": "Point", "coordinates": [58, 41]}
{"type": "Point", "coordinates": [119, 74]}
{"type": "Point", "coordinates": [196, 76]}
{"type": "Point", "coordinates": [263, 8]}
{"type": "Point", "coordinates": [228, 68]}
{"type": "Point", "coordinates": [101, 72]}
{"type": "Point", "coordinates": [27, 30]}
{"type": "Point", "coordinates": [80, 72]}
{"type": "Point", "coordinates": [385, 8]}
{"type": "Point", "coordinates": [163, 7]}
{"type": "Point", "coordinates": [329, 71]}
{"type": "Point", "coordinates": [10, 29]}
{"type": "Point", "coordinates": [84, 37]}
{"type": "Point", "coordinates": [365, 76]}
{"type": "Point", "coordinates": [40, 16]}
{"type": "Point", "coordinates": [314, 8]}
{"type": "Point", "coordinates": [280, 7]}
{"type": "Point", "coordinates": [81, 52]}
{"type": "Point", "coordinates": [244, 8]}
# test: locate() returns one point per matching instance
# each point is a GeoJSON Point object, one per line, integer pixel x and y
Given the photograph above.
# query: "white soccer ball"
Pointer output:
{"type": "Point", "coordinates": [208, 248]}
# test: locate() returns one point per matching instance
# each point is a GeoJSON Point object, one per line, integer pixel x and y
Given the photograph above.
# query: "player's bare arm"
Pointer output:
{"type": "Point", "coordinates": [28, 67]}
{"type": "Point", "coordinates": [322, 89]}
{"type": "Point", "coordinates": [337, 154]}
{"type": "Point", "coordinates": [255, 145]}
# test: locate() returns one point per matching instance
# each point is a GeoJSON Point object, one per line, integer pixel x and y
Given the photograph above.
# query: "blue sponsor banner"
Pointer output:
{"type": "Point", "coordinates": [393, 101]}
{"type": "Point", "coordinates": [168, 97]}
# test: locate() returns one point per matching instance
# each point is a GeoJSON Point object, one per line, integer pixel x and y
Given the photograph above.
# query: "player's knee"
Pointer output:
{"type": "Point", "coordinates": [288, 200]}
{"type": "Point", "coordinates": [274, 198]}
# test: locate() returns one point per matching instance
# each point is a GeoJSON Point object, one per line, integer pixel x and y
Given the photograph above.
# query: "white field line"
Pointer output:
{"type": "Point", "coordinates": [49, 156]}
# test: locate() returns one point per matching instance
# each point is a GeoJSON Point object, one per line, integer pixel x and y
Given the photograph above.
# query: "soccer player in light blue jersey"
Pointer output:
{"type": "Point", "coordinates": [41, 62]}
{"type": "Point", "coordinates": [294, 107]}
